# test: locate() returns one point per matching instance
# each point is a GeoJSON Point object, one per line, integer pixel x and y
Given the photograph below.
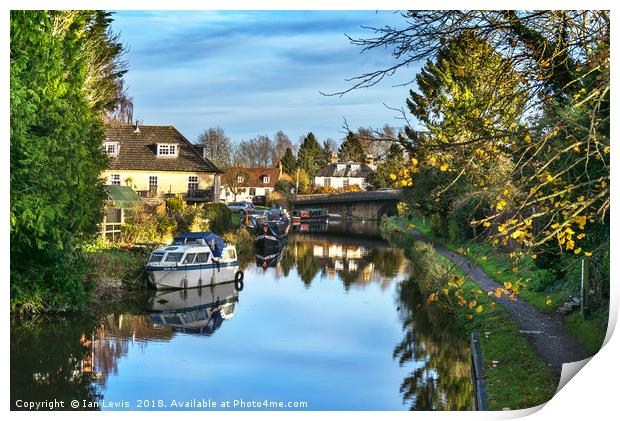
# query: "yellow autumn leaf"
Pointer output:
{"type": "Point", "coordinates": [469, 317]}
{"type": "Point", "coordinates": [393, 176]}
{"type": "Point", "coordinates": [577, 250]}
{"type": "Point", "coordinates": [479, 309]}
{"type": "Point", "coordinates": [587, 253]}
{"type": "Point", "coordinates": [443, 167]}
{"type": "Point", "coordinates": [534, 256]}
{"type": "Point", "coordinates": [507, 285]}
{"type": "Point", "coordinates": [548, 301]}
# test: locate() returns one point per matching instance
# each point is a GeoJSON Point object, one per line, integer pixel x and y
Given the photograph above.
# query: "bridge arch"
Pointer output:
{"type": "Point", "coordinates": [387, 209]}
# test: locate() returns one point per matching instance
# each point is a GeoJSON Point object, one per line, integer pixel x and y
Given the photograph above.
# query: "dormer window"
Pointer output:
{"type": "Point", "coordinates": [111, 148]}
{"type": "Point", "coordinates": [167, 149]}
{"type": "Point", "coordinates": [340, 167]}
{"type": "Point", "coordinates": [355, 167]}
{"type": "Point", "coordinates": [265, 179]}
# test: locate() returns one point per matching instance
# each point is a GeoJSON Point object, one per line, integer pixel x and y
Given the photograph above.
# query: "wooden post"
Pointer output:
{"type": "Point", "coordinates": [585, 287]}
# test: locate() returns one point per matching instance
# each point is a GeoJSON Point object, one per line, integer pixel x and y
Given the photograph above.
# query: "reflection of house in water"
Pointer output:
{"type": "Point", "coordinates": [111, 340]}
{"type": "Point", "coordinates": [348, 258]}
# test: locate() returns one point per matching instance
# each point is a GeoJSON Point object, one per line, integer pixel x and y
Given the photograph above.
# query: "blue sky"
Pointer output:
{"type": "Point", "coordinates": [256, 72]}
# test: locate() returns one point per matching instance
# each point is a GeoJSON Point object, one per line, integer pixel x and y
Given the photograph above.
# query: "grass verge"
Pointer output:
{"type": "Point", "coordinates": [515, 375]}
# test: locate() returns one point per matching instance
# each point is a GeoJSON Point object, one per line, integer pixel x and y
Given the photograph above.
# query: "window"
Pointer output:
{"type": "Point", "coordinates": [345, 182]}
{"type": "Point", "coordinates": [252, 191]}
{"type": "Point", "coordinates": [115, 179]}
{"type": "Point", "coordinates": [166, 149]}
{"type": "Point", "coordinates": [240, 179]}
{"type": "Point", "coordinates": [192, 182]}
{"type": "Point", "coordinates": [153, 184]}
{"type": "Point", "coordinates": [174, 257]}
{"type": "Point", "coordinates": [202, 258]}
{"type": "Point", "coordinates": [355, 167]}
{"type": "Point", "coordinates": [265, 179]}
{"type": "Point", "coordinates": [266, 191]}
{"type": "Point", "coordinates": [156, 257]}
{"type": "Point", "coordinates": [327, 181]}
{"type": "Point", "coordinates": [229, 254]}
{"type": "Point", "coordinates": [111, 148]}
{"type": "Point", "coordinates": [189, 258]}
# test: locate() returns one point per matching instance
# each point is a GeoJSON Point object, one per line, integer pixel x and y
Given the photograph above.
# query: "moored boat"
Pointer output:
{"type": "Point", "coordinates": [194, 259]}
{"type": "Point", "coordinates": [299, 216]}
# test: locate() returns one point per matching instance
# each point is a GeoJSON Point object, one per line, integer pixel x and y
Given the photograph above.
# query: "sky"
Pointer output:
{"type": "Point", "coordinates": [254, 73]}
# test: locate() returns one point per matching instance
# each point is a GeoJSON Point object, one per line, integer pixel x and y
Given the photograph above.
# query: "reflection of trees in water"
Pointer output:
{"type": "Point", "coordinates": [440, 355]}
{"type": "Point", "coordinates": [65, 359]}
{"type": "Point", "coordinates": [112, 338]}
{"type": "Point", "coordinates": [47, 361]}
{"type": "Point", "coordinates": [354, 263]}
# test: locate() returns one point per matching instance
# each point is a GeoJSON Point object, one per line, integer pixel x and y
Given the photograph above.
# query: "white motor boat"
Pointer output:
{"type": "Point", "coordinates": [193, 260]}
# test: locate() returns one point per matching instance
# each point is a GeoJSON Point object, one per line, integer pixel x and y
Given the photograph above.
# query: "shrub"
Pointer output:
{"type": "Point", "coordinates": [219, 217]}
{"type": "Point", "coordinates": [175, 204]}
{"type": "Point", "coordinates": [438, 225]}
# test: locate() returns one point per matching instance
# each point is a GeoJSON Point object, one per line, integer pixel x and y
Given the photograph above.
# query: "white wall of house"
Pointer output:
{"type": "Point", "coordinates": [244, 194]}
{"type": "Point", "coordinates": [339, 182]}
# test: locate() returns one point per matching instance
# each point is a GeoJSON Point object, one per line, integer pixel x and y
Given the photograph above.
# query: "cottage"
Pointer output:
{"type": "Point", "coordinates": [343, 174]}
{"type": "Point", "coordinates": [254, 183]}
{"type": "Point", "coordinates": [159, 160]}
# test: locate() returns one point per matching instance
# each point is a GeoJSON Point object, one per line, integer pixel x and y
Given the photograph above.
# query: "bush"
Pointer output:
{"type": "Point", "coordinates": [219, 217]}
{"type": "Point", "coordinates": [438, 225]}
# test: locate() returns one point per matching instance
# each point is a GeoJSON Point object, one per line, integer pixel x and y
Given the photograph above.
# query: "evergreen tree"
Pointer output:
{"type": "Point", "coordinates": [310, 157]}
{"type": "Point", "coordinates": [289, 162]}
{"type": "Point", "coordinates": [351, 149]}
{"type": "Point", "coordinates": [64, 72]}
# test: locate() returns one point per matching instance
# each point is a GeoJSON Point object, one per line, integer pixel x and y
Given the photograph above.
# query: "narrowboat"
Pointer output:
{"type": "Point", "coordinates": [299, 216]}
{"type": "Point", "coordinates": [194, 259]}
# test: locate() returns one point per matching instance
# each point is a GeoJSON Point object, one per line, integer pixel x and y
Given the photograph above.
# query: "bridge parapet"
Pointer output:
{"type": "Point", "coordinates": [362, 196]}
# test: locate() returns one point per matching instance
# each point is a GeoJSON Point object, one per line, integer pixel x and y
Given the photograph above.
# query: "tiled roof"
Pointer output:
{"type": "Point", "coordinates": [332, 170]}
{"type": "Point", "coordinates": [138, 150]}
{"type": "Point", "coordinates": [255, 178]}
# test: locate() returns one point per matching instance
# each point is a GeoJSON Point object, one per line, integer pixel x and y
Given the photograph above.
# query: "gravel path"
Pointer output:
{"type": "Point", "coordinates": [545, 331]}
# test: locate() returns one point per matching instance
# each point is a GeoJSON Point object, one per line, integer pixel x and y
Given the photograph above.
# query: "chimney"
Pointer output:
{"type": "Point", "coordinates": [370, 160]}
{"type": "Point", "coordinates": [137, 128]}
{"type": "Point", "coordinates": [334, 158]}
{"type": "Point", "coordinates": [279, 166]}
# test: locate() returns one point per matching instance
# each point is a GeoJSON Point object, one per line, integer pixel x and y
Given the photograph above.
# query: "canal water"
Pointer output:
{"type": "Point", "coordinates": [328, 324]}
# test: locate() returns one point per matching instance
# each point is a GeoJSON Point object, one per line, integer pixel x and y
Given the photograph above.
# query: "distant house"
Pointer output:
{"type": "Point", "coordinates": [158, 160]}
{"type": "Point", "coordinates": [257, 183]}
{"type": "Point", "coordinates": [343, 174]}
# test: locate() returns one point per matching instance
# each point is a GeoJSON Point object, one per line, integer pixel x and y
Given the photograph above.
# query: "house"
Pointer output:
{"type": "Point", "coordinates": [157, 161]}
{"type": "Point", "coordinates": [343, 174]}
{"type": "Point", "coordinates": [254, 183]}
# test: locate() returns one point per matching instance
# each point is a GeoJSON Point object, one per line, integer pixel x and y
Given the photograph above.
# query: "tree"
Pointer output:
{"type": "Point", "coordinates": [282, 143]}
{"type": "Point", "coordinates": [329, 149]}
{"type": "Point", "coordinates": [217, 146]}
{"type": "Point", "coordinates": [289, 162]}
{"type": "Point", "coordinates": [65, 68]}
{"type": "Point", "coordinates": [393, 164]}
{"type": "Point", "coordinates": [235, 178]}
{"type": "Point", "coordinates": [255, 152]}
{"type": "Point", "coordinates": [351, 149]}
{"type": "Point", "coordinates": [561, 61]}
{"type": "Point", "coordinates": [310, 157]}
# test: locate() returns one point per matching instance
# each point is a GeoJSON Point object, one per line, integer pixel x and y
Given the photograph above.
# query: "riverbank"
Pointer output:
{"type": "Point", "coordinates": [502, 268]}
{"type": "Point", "coordinates": [515, 375]}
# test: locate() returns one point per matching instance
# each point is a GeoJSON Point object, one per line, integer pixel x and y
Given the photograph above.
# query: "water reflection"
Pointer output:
{"type": "Point", "coordinates": [197, 310]}
{"type": "Point", "coordinates": [439, 353]}
{"type": "Point", "coordinates": [371, 330]}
